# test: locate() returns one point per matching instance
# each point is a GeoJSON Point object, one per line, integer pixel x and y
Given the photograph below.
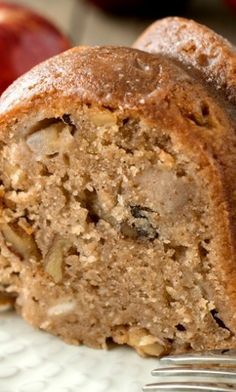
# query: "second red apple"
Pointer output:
{"type": "Point", "coordinates": [26, 39]}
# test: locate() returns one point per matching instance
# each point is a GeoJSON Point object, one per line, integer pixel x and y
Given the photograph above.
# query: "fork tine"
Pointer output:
{"type": "Point", "coordinates": [224, 357]}
{"type": "Point", "coordinates": [212, 375]}
{"type": "Point", "coordinates": [184, 387]}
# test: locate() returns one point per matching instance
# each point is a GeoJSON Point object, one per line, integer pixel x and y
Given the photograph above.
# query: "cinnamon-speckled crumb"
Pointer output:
{"type": "Point", "coordinates": [117, 169]}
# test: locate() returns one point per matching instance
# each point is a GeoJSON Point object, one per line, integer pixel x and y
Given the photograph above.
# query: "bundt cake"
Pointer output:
{"type": "Point", "coordinates": [118, 196]}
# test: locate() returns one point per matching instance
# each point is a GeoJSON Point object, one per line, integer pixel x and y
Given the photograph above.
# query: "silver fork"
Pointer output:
{"type": "Point", "coordinates": [213, 371]}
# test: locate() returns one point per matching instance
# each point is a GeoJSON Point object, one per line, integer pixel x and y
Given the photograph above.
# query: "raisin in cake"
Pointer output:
{"type": "Point", "coordinates": [118, 202]}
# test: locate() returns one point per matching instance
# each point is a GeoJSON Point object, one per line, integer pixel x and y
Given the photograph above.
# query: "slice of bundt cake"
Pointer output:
{"type": "Point", "coordinates": [118, 193]}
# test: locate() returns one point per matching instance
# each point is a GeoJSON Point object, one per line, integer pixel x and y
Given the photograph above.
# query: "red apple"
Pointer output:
{"type": "Point", "coordinates": [231, 3]}
{"type": "Point", "coordinates": [26, 39]}
{"type": "Point", "coordinates": [143, 8]}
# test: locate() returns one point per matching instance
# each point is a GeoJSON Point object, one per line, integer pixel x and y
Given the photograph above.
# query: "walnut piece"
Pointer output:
{"type": "Point", "coordinates": [100, 119]}
{"type": "Point", "coordinates": [25, 226]}
{"type": "Point", "coordinates": [144, 343]}
{"type": "Point", "coordinates": [54, 260]}
{"type": "Point", "coordinates": [16, 174]}
{"type": "Point", "coordinates": [141, 340]}
{"type": "Point", "coordinates": [20, 242]}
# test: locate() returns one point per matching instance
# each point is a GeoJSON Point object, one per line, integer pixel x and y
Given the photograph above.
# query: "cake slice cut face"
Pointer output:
{"type": "Point", "coordinates": [116, 203]}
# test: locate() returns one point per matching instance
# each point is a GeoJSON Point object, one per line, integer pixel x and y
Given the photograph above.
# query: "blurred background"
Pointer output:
{"type": "Point", "coordinates": [87, 24]}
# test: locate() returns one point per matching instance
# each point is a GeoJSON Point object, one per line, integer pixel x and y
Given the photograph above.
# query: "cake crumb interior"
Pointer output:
{"type": "Point", "coordinates": [104, 234]}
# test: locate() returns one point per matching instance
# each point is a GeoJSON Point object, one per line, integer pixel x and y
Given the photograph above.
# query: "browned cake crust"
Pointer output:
{"type": "Point", "coordinates": [118, 202]}
{"type": "Point", "coordinates": [194, 45]}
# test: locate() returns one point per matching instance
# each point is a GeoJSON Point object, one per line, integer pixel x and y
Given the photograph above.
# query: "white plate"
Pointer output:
{"type": "Point", "coordinates": [34, 361]}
